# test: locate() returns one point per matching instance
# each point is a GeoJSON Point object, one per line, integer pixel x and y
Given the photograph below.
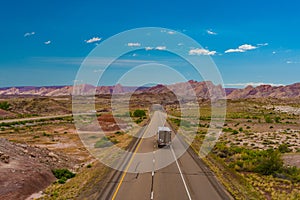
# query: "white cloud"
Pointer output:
{"type": "Point", "coordinates": [168, 32]}
{"type": "Point", "coordinates": [210, 32]}
{"type": "Point", "coordinates": [161, 48]}
{"type": "Point", "coordinates": [47, 42]}
{"type": "Point", "coordinates": [263, 44]}
{"type": "Point", "coordinates": [29, 34]}
{"type": "Point", "coordinates": [171, 32]}
{"type": "Point", "coordinates": [242, 48]}
{"type": "Point", "coordinates": [247, 47]}
{"type": "Point", "coordinates": [254, 84]}
{"type": "Point", "coordinates": [292, 62]}
{"type": "Point", "coordinates": [148, 48]}
{"type": "Point", "coordinates": [198, 51]}
{"type": "Point", "coordinates": [94, 39]}
{"type": "Point", "coordinates": [234, 50]}
{"type": "Point", "coordinates": [134, 44]}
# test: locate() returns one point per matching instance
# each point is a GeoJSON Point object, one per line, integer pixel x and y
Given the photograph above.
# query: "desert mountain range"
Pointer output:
{"type": "Point", "coordinates": [201, 89]}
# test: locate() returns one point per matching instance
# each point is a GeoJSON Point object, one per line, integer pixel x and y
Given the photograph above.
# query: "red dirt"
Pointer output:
{"type": "Point", "coordinates": [25, 170]}
{"type": "Point", "coordinates": [5, 114]}
{"type": "Point", "coordinates": [108, 123]}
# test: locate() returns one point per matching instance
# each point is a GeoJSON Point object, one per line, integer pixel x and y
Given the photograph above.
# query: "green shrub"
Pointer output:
{"type": "Point", "coordinates": [176, 121]}
{"type": "Point", "coordinates": [89, 166]}
{"type": "Point", "coordinates": [269, 163]}
{"type": "Point", "coordinates": [63, 175]}
{"type": "Point", "coordinates": [46, 134]}
{"type": "Point", "coordinates": [293, 173]}
{"type": "Point", "coordinates": [119, 133]}
{"type": "Point", "coordinates": [227, 130]}
{"type": "Point", "coordinates": [284, 148]}
{"type": "Point", "coordinates": [139, 113]}
{"type": "Point", "coordinates": [265, 162]}
{"type": "Point", "coordinates": [54, 194]}
{"type": "Point", "coordinates": [268, 119]}
{"type": "Point", "coordinates": [59, 173]}
{"type": "Point", "coordinates": [5, 105]}
{"type": "Point", "coordinates": [62, 180]}
{"type": "Point", "coordinates": [277, 119]}
{"type": "Point", "coordinates": [139, 120]}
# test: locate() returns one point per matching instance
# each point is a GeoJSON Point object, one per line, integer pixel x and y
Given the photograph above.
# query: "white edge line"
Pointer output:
{"type": "Point", "coordinates": [152, 195]}
{"type": "Point", "coordinates": [187, 191]}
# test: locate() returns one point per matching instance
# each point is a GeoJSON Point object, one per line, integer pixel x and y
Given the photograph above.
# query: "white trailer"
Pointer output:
{"type": "Point", "coordinates": [163, 136]}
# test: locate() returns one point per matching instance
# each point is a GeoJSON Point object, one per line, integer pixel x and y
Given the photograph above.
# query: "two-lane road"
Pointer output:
{"type": "Point", "coordinates": [144, 177]}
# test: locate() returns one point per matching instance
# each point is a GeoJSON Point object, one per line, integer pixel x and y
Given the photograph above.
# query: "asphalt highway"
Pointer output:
{"type": "Point", "coordinates": [154, 173]}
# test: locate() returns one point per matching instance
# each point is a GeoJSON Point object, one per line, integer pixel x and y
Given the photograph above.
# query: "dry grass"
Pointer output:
{"type": "Point", "coordinates": [253, 124]}
{"type": "Point", "coordinates": [85, 179]}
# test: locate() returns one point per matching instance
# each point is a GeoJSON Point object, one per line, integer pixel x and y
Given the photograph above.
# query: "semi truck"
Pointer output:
{"type": "Point", "coordinates": [163, 136]}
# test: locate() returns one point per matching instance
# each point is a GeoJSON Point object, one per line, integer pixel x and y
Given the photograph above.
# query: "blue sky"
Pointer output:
{"type": "Point", "coordinates": [44, 42]}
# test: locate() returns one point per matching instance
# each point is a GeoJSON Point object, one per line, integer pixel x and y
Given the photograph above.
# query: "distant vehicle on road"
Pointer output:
{"type": "Point", "coordinates": [163, 136]}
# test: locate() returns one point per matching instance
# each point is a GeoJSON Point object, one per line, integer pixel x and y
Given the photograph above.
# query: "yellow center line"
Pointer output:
{"type": "Point", "coordinates": [130, 161]}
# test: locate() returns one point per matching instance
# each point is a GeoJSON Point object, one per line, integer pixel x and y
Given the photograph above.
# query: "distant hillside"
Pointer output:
{"type": "Point", "coordinates": [64, 90]}
{"type": "Point", "coordinates": [264, 91]}
{"type": "Point", "coordinates": [203, 90]}
{"type": "Point", "coordinates": [191, 88]}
